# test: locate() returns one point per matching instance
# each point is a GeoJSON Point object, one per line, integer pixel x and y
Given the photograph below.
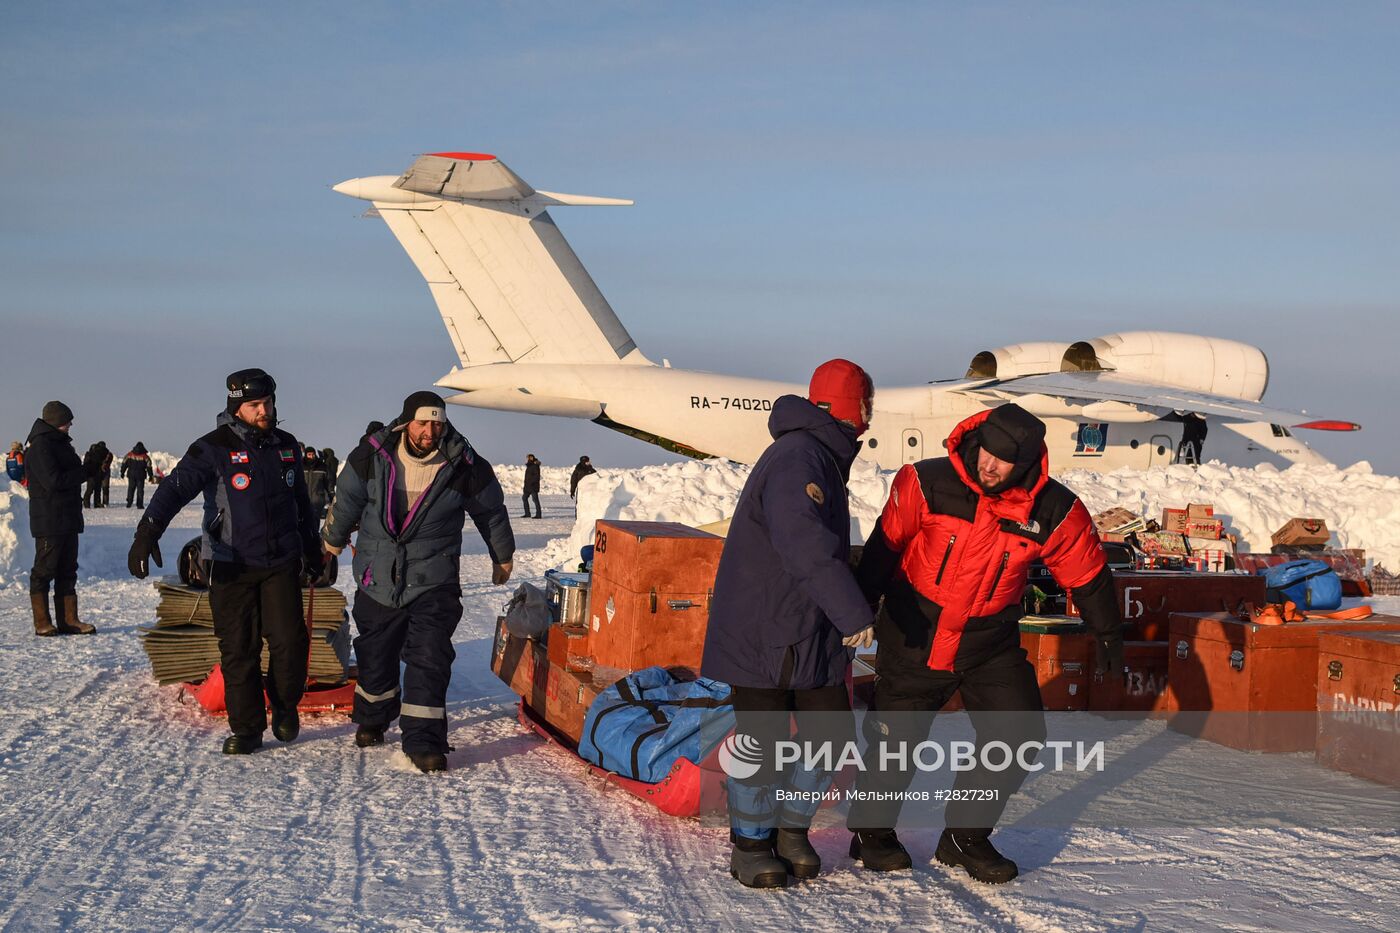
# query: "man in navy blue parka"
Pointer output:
{"type": "Point", "coordinates": [786, 609]}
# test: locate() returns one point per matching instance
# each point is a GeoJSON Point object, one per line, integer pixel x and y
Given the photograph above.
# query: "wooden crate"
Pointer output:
{"type": "Point", "coordinates": [1358, 704]}
{"type": "Point", "coordinates": [650, 594]}
{"type": "Point", "coordinates": [1221, 664]}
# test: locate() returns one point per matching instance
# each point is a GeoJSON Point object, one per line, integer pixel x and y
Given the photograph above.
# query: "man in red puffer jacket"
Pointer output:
{"type": "Point", "coordinates": [950, 555]}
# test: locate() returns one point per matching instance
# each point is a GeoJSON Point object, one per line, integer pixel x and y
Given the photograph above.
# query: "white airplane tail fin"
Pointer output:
{"type": "Point", "coordinates": [508, 286]}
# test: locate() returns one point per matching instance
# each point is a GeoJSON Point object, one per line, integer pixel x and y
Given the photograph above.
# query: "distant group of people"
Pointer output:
{"type": "Point", "coordinates": [530, 490]}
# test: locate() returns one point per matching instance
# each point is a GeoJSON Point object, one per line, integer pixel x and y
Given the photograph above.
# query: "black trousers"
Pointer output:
{"type": "Point", "coordinates": [56, 562]}
{"type": "Point", "coordinates": [136, 489]}
{"type": "Point", "coordinates": [420, 636]}
{"type": "Point", "coordinates": [250, 605]}
{"type": "Point", "coordinates": [106, 490]}
{"type": "Point", "coordinates": [526, 500]}
{"type": "Point", "coordinates": [92, 493]}
{"type": "Point", "coordinates": [1001, 695]}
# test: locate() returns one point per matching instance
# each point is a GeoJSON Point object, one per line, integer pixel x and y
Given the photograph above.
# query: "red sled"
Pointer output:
{"type": "Point", "coordinates": [318, 698]}
{"type": "Point", "coordinates": [688, 790]}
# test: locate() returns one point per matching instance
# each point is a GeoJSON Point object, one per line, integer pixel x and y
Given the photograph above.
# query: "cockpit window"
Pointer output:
{"type": "Point", "coordinates": [1280, 431]}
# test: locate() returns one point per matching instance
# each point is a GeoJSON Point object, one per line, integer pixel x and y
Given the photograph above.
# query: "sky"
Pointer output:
{"type": "Point", "coordinates": [903, 184]}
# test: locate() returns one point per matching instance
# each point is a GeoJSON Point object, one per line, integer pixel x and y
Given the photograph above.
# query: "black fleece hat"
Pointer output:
{"type": "Point", "coordinates": [423, 406]}
{"type": "Point", "coordinates": [1012, 434]}
{"type": "Point", "coordinates": [248, 384]}
{"type": "Point", "coordinates": [56, 414]}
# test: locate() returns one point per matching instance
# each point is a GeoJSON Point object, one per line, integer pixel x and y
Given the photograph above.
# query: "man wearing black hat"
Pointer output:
{"type": "Point", "coordinates": [259, 534]}
{"type": "Point", "coordinates": [583, 468]}
{"type": "Point", "coordinates": [56, 476]}
{"type": "Point", "coordinates": [409, 488]}
{"type": "Point", "coordinates": [950, 556]}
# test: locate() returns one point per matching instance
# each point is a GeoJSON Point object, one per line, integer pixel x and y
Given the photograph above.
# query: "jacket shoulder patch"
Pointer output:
{"type": "Point", "coordinates": [814, 492]}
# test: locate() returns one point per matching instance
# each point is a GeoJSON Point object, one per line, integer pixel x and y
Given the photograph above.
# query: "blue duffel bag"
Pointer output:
{"type": "Point", "coordinates": [642, 724]}
{"type": "Point", "coordinates": [1311, 584]}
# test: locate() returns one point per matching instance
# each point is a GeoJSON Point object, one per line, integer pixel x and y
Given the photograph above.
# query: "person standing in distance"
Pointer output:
{"type": "Point", "coordinates": [583, 468]}
{"type": "Point", "coordinates": [56, 476]}
{"type": "Point", "coordinates": [532, 485]}
{"type": "Point", "coordinates": [259, 534]}
{"type": "Point", "coordinates": [409, 488]}
{"type": "Point", "coordinates": [136, 468]}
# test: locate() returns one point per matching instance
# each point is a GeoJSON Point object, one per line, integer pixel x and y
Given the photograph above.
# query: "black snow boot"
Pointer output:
{"type": "Point", "coordinates": [428, 762]}
{"type": "Point", "coordinates": [285, 725]}
{"type": "Point", "coordinates": [365, 736]}
{"type": "Point", "coordinates": [794, 850]}
{"type": "Point", "coordinates": [242, 744]}
{"type": "Point", "coordinates": [754, 864]}
{"type": "Point", "coordinates": [975, 852]}
{"type": "Point", "coordinates": [880, 850]}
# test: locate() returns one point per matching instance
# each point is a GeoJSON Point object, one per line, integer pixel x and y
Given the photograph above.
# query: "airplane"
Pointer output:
{"type": "Point", "coordinates": [534, 334]}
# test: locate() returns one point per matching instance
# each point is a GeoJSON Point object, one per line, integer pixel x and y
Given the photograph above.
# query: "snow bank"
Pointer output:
{"type": "Point", "coordinates": [694, 493]}
{"type": "Point", "coordinates": [1362, 508]}
{"type": "Point", "coordinates": [160, 461]}
{"type": "Point", "coordinates": [16, 546]}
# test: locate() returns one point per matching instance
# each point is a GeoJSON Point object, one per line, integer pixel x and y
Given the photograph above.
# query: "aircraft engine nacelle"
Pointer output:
{"type": "Point", "coordinates": [1019, 359]}
{"type": "Point", "coordinates": [1186, 361]}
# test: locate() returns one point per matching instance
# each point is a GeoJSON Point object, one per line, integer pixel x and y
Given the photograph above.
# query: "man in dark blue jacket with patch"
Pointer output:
{"type": "Point", "coordinates": [786, 609]}
{"type": "Point", "coordinates": [409, 488]}
{"type": "Point", "coordinates": [259, 534]}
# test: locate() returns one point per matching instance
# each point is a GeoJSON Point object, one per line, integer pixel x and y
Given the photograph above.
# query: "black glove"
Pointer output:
{"type": "Point", "coordinates": [313, 563]}
{"type": "Point", "coordinates": [1108, 655]}
{"type": "Point", "coordinates": [144, 549]}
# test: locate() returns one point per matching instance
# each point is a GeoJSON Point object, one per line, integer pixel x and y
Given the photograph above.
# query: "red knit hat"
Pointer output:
{"type": "Point", "coordinates": [845, 390]}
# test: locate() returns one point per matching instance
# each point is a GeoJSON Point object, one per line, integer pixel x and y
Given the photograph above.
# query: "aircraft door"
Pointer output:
{"type": "Point", "coordinates": [1162, 450]}
{"type": "Point", "coordinates": [912, 443]}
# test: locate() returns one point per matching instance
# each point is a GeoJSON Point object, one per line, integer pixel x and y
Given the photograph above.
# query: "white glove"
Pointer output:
{"type": "Point", "coordinates": [862, 639]}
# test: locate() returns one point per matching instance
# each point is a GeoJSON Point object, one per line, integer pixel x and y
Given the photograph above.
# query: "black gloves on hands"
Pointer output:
{"type": "Point", "coordinates": [144, 549]}
{"type": "Point", "coordinates": [1108, 655]}
{"type": "Point", "coordinates": [313, 563]}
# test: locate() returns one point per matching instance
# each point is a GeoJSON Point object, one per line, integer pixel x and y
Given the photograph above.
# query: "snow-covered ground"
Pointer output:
{"type": "Point", "coordinates": [119, 812]}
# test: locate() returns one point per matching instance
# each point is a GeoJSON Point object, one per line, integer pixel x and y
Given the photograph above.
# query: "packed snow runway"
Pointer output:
{"type": "Point", "coordinates": [120, 813]}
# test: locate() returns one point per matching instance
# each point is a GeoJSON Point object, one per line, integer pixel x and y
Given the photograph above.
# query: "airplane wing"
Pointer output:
{"type": "Point", "coordinates": [1107, 396]}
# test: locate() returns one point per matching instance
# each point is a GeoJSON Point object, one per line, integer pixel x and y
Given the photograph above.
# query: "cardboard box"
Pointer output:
{"type": "Point", "coordinates": [1197, 520]}
{"type": "Point", "coordinates": [1118, 522]}
{"type": "Point", "coordinates": [1211, 555]}
{"type": "Point", "coordinates": [1303, 531]}
{"type": "Point", "coordinates": [1358, 704]}
{"type": "Point", "coordinates": [1221, 664]}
